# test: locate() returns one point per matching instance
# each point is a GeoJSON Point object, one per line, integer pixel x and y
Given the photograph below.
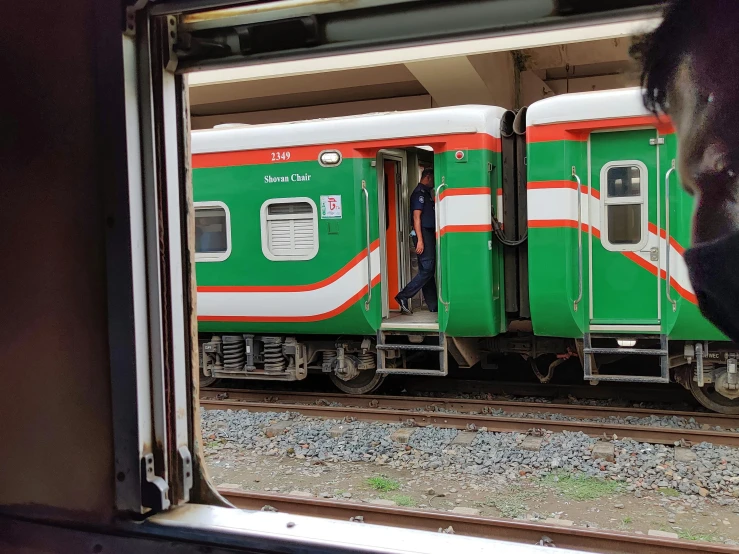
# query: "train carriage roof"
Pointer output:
{"type": "Point", "coordinates": [377, 126]}
{"type": "Point", "coordinates": [587, 106]}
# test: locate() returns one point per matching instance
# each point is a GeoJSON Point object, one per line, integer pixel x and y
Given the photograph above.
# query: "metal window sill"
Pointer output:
{"type": "Point", "coordinates": [282, 532]}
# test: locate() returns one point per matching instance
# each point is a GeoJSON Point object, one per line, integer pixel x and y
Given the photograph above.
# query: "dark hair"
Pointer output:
{"type": "Point", "coordinates": [661, 51]}
{"type": "Point", "coordinates": [427, 172]}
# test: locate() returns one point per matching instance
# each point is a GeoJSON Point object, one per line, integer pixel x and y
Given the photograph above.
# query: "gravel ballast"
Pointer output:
{"type": "Point", "coordinates": [639, 466]}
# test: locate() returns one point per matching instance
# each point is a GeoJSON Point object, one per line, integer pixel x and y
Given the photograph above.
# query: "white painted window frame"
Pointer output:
{"type": "Point", "coordinates": [265, 218]}
{"type": "Point", "coordinates": [214, 256]}
{"type": "Point", "coordinates": [642, 200]}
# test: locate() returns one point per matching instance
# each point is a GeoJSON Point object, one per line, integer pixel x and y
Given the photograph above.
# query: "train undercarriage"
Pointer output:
{"type": "Point", "coordinates": [359, 365]}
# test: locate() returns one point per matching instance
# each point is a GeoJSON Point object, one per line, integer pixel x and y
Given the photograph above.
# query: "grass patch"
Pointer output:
{"type": "Point", "coordinates": [690, 535]}
{"type": "Point", "coordinates": [668, 491]}
{"type": "Point", "coordinates": [627, 520]}
{"type": "Point", "coordinates": [403, 500]}
{"type": "Point", "coordinates": [383, 484]}
{"type": "Point", "coordinates": [577, 487]}
{"type": "Point", "coordinates": [511, 504]}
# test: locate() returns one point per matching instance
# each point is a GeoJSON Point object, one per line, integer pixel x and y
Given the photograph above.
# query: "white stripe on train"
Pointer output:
{"type": "Point", "coordinates": [555, 204]}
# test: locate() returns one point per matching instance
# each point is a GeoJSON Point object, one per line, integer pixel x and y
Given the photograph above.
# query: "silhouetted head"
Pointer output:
{"type": "Point", "coordinates": [691, 73]}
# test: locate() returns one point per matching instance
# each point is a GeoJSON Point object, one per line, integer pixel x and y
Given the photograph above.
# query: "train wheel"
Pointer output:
{"type": "Point", "coordinates": [367, 381]}
{"type": "Point", "coordinates": [206, 381]}
{"type": "Point", "coordinates": [713, 400]}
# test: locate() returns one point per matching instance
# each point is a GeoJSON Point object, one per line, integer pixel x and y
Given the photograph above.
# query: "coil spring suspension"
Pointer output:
{"type": "Point", "coordinates": [328, 359]}
{"type": "Point", "coordinates": [274, 360]}
{"type": "Point", "coordinates": [367, 360]}
{"type": "Point", "coordinates": [234, 352]}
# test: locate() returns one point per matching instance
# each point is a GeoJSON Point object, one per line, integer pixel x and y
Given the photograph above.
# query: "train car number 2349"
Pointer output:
{"type": "Point", "coordinates": [280, 156]}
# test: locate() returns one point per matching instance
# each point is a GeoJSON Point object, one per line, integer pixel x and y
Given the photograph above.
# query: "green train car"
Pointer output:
{"type": "Point", "coordinates": [560, 234]}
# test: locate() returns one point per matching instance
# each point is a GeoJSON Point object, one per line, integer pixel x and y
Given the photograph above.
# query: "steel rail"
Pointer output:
{"type": "Point", "coordinates": [603, 542]}
{"type": "Point", "coordinates": [655, 435]}
{"type": "Point", "coordinates": [467, 405]}
{"type": "Point", "coordinates": [450, 387]}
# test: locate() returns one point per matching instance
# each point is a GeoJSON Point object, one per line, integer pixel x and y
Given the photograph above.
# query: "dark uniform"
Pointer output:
{"type": "Point", "coordinates": [422, 199]}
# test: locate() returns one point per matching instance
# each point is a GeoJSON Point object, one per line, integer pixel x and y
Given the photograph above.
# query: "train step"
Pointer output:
{"type": "Point", "coordinates": [392, 344]}
{"type": "Point", "coordinates": [590, 369]}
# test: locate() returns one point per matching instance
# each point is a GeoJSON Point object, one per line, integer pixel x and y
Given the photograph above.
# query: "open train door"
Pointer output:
{"type": "Point", "coordinates": [624, 253]}
{"type": "Point", "coordinates": [391, 182]}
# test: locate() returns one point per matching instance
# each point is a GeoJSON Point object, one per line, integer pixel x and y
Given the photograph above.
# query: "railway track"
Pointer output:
{"type": "Point", "coordinates": [603, 542]}
{"type": "Point", "coordinates": [463, 414]}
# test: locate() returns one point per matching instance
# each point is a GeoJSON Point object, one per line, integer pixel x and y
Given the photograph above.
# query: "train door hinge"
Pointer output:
{"type": "Point", "coordinates": [656, 141]}
{"type": "Point", "coordinates": [185, 460]}
{"type": "Point", "coordinates": [154, 489]}
{"type": "Point", "coordinates": [131, 17]}
{"type": "Point", "coordinates": [171, 64]}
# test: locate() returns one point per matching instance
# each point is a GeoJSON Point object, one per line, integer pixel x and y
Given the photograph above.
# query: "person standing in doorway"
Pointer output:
{"type": "Point", "coordinates": [423, 218]}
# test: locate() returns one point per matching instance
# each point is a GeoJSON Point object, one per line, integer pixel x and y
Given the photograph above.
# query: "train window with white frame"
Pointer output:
{"type": "Point", "coordinates": [289, 229]}
{"type": "Point", "coordinates": [212, 232]}
{"type": "Point", "coordinates": [624, 209]}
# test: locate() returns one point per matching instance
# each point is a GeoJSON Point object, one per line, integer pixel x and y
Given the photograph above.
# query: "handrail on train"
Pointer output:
{"type": "Point", "coordinates": [369, 245]}
{"type": "Point", "coordinates": [579, 239]}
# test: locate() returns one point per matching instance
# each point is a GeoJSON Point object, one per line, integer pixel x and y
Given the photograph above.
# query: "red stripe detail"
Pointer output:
{"type": "Point", "coordinates": [662, 233]}
{"type": "Point", "coordinates": [689, 296]}
{"type": "Point", "coordinates": [486, 228]}
{"type": "Point", "coordinates": [294, 319]}
{"type": "Point", "coordinates": [539, 185]}
{"type": "Point", "coordinates": [361, 149]}
{"type": "Point", "coordinates": [634, 257]}
{"type": "Point", "coordinates": [463, 192]}
{"type": "Point", "coordinates": [295, 288]}
{"type": "Point", "coordinates": [551, 223]}
{"type": "Point", "coordinates": [579, 130]}
{"type": "Point", "coordinates": [568, 223]}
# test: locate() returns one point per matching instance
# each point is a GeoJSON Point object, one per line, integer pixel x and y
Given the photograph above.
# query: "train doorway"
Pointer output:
{"type": "Point", "coordinates": [398, 173]}
{"type": "Point", "coordinates": [624, 208]}
{"type": "Point", "coordinates": [392, 182]}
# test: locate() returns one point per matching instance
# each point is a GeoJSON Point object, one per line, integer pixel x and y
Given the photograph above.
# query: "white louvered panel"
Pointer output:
{"type": "Point", "coordinates": [304, 238]}
{"type": "Point", "coordinates": [280, 237]}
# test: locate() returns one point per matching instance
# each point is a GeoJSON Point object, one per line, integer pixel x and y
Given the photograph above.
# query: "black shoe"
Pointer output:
{"type": "Point", "coordinates": [403, 302]}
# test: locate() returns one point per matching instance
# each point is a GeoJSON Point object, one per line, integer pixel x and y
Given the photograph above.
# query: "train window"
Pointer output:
{"type": "Point", "coordinates": [289, 229]}
{"type": "Point", "coordinates": [624, 181]}
{"type": "Point", "coordinates": [623, 209]}
{"type": "Point", "coordinates": [624, 224]}
{"type": "Point", "coordinates": [212, 232]}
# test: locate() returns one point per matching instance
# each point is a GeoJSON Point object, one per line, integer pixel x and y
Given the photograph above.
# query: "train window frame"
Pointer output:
{"type": "Point", "coordinates": [265, 218]}
{"type": "Point", "coordinates": [214, 256]}
{"type": "Point", "coordinates": [642, 200]}
{"type": "Point", "coordinates": [158, 452]}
